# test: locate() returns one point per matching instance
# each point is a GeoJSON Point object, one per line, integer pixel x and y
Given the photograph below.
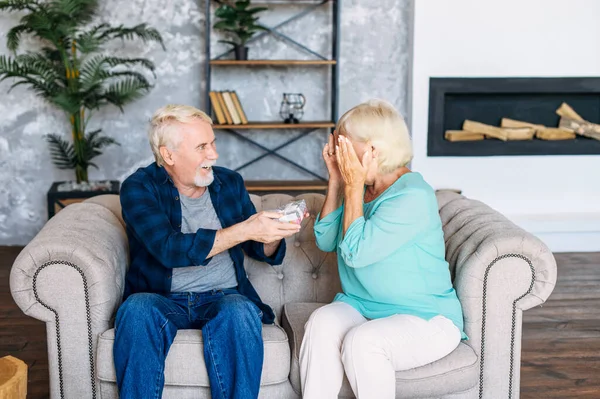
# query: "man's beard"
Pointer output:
{"type": "Point", "coordinates": [204, 181]}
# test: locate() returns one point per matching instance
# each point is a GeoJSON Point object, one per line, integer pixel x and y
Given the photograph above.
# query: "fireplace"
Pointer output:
{"type": "Point", "coordinates": [488, 100]}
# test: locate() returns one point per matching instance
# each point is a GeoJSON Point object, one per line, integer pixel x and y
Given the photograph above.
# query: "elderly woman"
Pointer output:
{"type": "Point", "coordinates": [398, 309]}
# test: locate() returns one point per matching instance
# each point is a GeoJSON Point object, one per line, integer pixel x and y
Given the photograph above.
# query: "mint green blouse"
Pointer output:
{"type": "Point", "coordinates": [392, 259]}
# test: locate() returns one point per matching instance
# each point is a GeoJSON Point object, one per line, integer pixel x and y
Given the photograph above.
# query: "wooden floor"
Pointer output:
{"type": "Point", "coordinates": [22, 336]}
{"type": "Point", "coordinates": [561, 339]}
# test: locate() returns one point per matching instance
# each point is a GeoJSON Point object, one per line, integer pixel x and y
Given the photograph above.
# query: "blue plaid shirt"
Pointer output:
{"type": "Point", "coordinates": [152, 213]}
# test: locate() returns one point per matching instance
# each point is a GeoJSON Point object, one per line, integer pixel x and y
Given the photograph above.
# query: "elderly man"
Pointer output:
{"type": "Point", "coordinates": [188, 222]}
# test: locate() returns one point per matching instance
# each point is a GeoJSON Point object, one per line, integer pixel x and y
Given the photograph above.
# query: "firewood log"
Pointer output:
{"type": "Point", "coordinates": [567, 112]}
{"type": "Point", "coordinates": [462, 135]}
{"type": "Point", "coordinates": [504, 134]}
{"type": "Point", "coordinates": [554, 134]}
{"type": "Point", "coordinates": [581, 127]}
{"type": "Point", "coordinates": [506, 122]}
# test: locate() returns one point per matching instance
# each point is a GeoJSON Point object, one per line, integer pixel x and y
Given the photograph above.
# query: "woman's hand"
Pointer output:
{"type": "Point", "coordinates": [353, 171]}
{"type": "Point", "coordinates": [335, 178]}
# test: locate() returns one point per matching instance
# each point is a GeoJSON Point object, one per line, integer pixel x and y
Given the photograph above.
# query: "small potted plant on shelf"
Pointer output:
{"type": "Point", "coordinates": [239, 21]}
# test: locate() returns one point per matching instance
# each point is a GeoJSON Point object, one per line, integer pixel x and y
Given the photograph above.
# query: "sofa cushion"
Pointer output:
{"type": "Point", "coordinates": [185, 361]}
{"type": "Point", "coordinates": [456, 372]}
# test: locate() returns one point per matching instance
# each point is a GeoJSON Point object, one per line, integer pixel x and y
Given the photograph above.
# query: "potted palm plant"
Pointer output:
{"type": "Point", "coordinates": [72, 71]}
{"type": "Point", "coordinates": [239, 21]}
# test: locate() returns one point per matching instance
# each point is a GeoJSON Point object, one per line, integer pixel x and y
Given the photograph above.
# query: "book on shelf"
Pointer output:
{"type": "Point", "coordinates": [223, 106]}
{"type": "Point", "coordinates": [238, 108]}
{"type": "Point", "coordinates": [227, 108]}
{"type": "Point", "coordinates": [216, 106]}
{"type": "Point", "coordinates": [231, 108]}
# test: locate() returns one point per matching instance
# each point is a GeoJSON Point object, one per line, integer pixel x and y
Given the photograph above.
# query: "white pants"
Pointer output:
{"type": "Point", "coordinates": [338, 338]}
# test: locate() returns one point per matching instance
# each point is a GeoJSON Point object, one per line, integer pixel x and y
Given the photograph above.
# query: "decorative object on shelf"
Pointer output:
{"type": "Point", "coordinates": [72, 72]}
{"type": "Point", "coordinates": [227, 108]}
{"type": "Point", "coordinates": [292, 107]}
{"type": "Point", "coordinates": [239, 20]}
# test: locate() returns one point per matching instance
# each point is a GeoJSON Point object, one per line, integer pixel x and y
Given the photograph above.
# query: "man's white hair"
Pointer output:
{"type": "Point", "coordinates": [163, 131]}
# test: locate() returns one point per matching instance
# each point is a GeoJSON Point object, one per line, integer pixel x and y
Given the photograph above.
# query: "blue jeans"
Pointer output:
{"type": "Point", "coordinates": [146, 325]}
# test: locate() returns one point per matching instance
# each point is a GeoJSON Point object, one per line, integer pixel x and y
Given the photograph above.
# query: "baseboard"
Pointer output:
{"type": "Point", "coordinates": [575, 232]}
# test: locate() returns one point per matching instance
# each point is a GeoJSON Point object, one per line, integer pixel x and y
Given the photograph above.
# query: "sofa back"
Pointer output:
{"type": "Point", "coordinates": [307, 274]}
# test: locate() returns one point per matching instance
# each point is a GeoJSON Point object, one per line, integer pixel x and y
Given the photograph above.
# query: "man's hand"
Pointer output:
{"type": "Point", "coordinates": [264, 227]}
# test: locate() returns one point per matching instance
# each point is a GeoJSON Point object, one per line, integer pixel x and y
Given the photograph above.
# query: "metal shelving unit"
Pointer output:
{"type": "Point", "coordinates": [318, 61]}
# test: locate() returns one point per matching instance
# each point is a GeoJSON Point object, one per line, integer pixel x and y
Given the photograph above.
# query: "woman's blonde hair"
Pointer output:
{"type": "Point", "coordinates": [163, 131]}
{"type": "Point", "coordinates": [380, 123]}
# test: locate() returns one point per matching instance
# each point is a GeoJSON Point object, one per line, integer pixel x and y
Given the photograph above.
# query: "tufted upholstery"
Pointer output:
{"type": "Point", "coordinates": [71, 276]}
{"type": "Point", "coordinates": [307, 274]}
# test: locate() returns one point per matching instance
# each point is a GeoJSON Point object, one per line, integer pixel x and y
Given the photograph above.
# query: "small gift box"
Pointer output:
{"type": "Point", "coordinates": [293, 212]}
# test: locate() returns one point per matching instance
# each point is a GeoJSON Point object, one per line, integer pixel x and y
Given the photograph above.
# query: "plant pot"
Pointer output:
{"type": "Point", "coordinates": [241, 53]}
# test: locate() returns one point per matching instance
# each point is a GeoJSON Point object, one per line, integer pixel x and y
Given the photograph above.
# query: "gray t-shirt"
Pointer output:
{"type": "Point", "coordinates": [199, 213]}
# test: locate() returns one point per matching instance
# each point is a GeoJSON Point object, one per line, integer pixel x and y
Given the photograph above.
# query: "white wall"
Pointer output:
{"type": "Point", "coordinates": [512, 38]}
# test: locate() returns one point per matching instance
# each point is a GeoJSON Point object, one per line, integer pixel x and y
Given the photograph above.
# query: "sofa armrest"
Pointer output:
{"type": "Point", "coordinates": [499, 271]}
{"type": "Point", "coordinates": [71, 275]}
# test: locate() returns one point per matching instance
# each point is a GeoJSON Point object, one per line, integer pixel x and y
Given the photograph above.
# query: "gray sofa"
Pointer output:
{"type": "Point", "coordinates": [71, 276]}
